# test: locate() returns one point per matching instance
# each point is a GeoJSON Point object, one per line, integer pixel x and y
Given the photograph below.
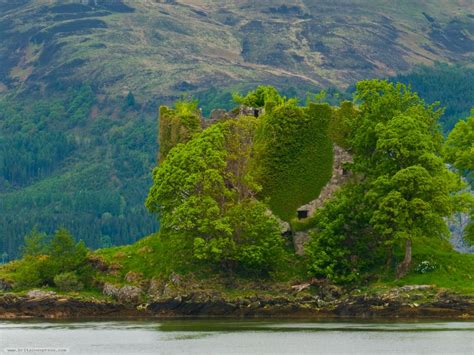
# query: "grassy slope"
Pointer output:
{"type": "Point", "coordinates": [147, 257]}
{"type": "Point", "coordinates": [453, 271]}
{"type": "Point", "coordinates": [162, 49]}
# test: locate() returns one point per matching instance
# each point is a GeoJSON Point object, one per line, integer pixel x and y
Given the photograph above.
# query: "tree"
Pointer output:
{"type": "Point", "coordinates": [204, 192]}
{"type": "Point", "coordinates": [65, 255]}
{"type": "Point", "coordinates": [459, 147]}
{"type": "Point", "coordinates": [259, 97]}
{"type": "Point", "coordinates": [398, 148]}
{"type": "Point", "coordinates": [34, 243]}
{"type": "Point", "coordinates": [343, 245]}
{"type": "Point", "coordinates": [407, 189]}
{"type": "Point", "coordinates": [459, 151]}
{"type": "Point", "coordinates": [412, 204]}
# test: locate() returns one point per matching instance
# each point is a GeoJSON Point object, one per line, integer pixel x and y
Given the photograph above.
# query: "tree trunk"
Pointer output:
{"type": "Point", "coordinates": [403, 268]}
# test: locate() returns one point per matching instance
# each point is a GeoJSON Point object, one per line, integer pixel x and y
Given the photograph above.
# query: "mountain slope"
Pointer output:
{"type": "Point", "coordinates": [163, 48]}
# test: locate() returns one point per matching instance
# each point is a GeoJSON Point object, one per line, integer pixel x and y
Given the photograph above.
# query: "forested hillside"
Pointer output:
{"type": "Point", "coordinates": [81, 81]}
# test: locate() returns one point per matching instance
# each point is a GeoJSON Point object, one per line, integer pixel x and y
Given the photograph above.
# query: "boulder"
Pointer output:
{"type": "Point", "coordinates": [5, 285]}
{"type": "Point", "coordinates": [155, 288]}
{"type": "Point", "coordinates": [408, 288]}
{"type": "Point", "coordinates": [110, 290]}
{"type": "Point", "coordinates": [129, 294]}
{"type": "Point", "coordinates": [133, 277]}
{"type": "Point", "coordinates": [36, 294]}
{"type": "Point", "coordinates": [176, 279]}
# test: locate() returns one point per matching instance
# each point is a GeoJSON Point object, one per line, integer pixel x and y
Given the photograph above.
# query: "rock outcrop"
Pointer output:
{"type": "Point", "coordinates": [323, 300]}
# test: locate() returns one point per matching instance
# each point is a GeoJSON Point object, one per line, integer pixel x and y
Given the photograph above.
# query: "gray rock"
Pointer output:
{"type": "Point", "coordinates": [40, 294]}
{"type": "Point", "coordinates": [110, 290]}
{"type": "Point", "coordinates": [129, 294]}
{"type": "Point", "coordinates": [5, 285]}
{"type": "Point", "coordinates": [155, 288]}
{"type": "Point", "coordinates": [176, 279]}
{"type": "Point", "coordinates": [408, 288]}
{"type": "Point", "coordinates": [299, 241]}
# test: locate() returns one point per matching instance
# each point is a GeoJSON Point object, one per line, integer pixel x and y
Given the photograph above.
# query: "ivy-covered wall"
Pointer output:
{"type": "Point", "coordinates": [177, 126]}
{"type": "Point", "coordinates": [294, 155]}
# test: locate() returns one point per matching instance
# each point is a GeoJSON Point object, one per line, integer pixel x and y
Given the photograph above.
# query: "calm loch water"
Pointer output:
{"type": "Point", "coordinates": [236, 337]}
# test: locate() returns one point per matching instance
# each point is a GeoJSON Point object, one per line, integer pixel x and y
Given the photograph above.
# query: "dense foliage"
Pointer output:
{"type": "Point", "coordinates": [77, 162]}
{"type": "Point", "coordinates": [56, 261]}
{"type": "Point", "coordinates": [403, 192]}
{"type": "Point", "coordinates": [204, 194]}
{"type": "Point", "coordinates": [451, 85]}
{"type": "Point", "coordinates": [459, 151]}
{"type": "Point", "coordinates": [294, 155]}
{"type": "Point", "coordinates": [73, 158]}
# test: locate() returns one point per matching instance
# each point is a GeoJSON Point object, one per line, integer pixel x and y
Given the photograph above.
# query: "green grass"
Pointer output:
{"type": "Point", "coordinates": [454, 271]}
{"type": "Point", "coordinates": [150, 258]}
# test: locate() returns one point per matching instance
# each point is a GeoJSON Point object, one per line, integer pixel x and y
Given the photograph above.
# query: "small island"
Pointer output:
{"type": "Point", "coordinates": [278, 209]}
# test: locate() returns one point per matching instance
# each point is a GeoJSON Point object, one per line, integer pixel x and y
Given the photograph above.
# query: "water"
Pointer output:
{"type": "Point", "coordinates": [236, 337]}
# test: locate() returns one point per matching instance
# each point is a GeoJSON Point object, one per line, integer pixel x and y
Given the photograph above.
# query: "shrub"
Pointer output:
{"type": "Point", "coordinates": [425, 267]}
{"type": "Point", "coordinates": [68, 281]}
{"type": "Point", "coordinates": [28, 273]}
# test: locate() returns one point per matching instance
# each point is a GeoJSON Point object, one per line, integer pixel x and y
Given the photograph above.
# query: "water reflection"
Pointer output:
{"type": "Point", "coordinates": [241, 337]}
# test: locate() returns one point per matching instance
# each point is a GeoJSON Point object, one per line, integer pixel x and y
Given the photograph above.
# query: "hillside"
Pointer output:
{"type": "Point", "coordinates": [159, 49]}
{"type": "Point", "coordinates": [80, 83]}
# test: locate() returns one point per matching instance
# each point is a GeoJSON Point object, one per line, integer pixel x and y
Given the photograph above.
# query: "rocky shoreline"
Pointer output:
{"type": "Point", "coordinates": [403, 302]}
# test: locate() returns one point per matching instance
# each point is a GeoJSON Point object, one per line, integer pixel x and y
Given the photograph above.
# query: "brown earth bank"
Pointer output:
{"type": "Point", "coordinates": [407, 302]}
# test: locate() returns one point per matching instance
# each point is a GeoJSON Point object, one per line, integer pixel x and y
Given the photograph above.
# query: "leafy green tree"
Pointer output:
{"type": "Point", "coordinates": [343, 245]}
{"type": "Point", "coordinates": [199, 191]}
{"type": "Point", "coordinates": [459, 151]}
{"type": "Point", "coordinates": [459, 147]}
{"type": "Point", "coordinates": [412, 204]}
{"type": "Point", "coordinates": [34, 243]}
{"type": "Point", "coordinates": [64, 253]}
{"type": "Point", "coordinates": [256, 245]}
{"type": "Point", "coordinates": [408, 191]}
{"type": "Point", "coordinates": [44, 259]}
{"type": "Point", "coordinates": [259, 97]}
